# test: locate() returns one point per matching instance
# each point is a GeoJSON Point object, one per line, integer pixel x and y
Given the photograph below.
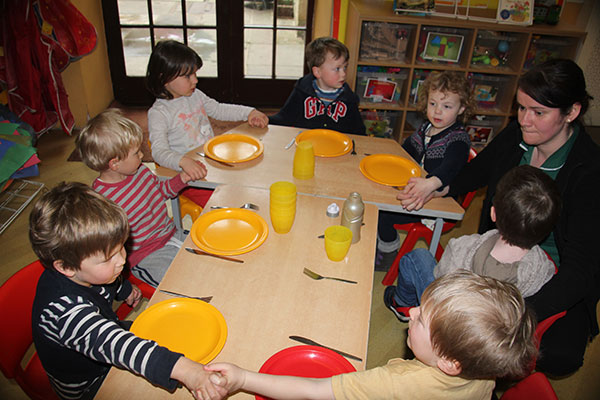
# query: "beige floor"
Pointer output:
{"type": "Point", "coordinates": [386, 337]}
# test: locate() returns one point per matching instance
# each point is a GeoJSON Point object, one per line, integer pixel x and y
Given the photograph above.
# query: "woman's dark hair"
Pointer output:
{"type": "Point", "coordinates": [168, 60]}
{"type": "Point", "coordinates": [557, 83]}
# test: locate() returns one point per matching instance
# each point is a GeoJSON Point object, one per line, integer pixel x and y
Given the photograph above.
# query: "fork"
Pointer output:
{"type": "Point", "coordinates": [316, 276]}
{"type": "Point", "coordinates": [353, 148]}
{"type": "Point", "coordinates": [201, 154]}
{"type": "Point", "coordinates": [247, 206]}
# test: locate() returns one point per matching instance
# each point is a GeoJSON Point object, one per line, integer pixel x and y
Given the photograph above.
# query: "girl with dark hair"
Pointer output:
{"type": "Point", "coordinates": [178, 120]}
{"type": "Point", "coordinates": [549, 135]}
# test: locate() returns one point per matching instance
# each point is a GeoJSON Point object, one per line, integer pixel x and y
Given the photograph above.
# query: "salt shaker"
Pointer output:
{"type": "Point", "coordinates": [352, 214]}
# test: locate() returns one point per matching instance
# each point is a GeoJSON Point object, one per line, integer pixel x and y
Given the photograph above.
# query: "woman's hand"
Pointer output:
{"type": "Point", "coordinates": [257, 119]}
{"type": "Point", "coordinates": [418, 191]}
{"type": "Point", "coordinates": [193, 168]}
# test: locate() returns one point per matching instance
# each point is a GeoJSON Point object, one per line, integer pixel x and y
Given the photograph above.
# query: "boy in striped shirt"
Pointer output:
{"type": "Point", "coordinates": [78, 236]}
{"type": "Point", "coordinates": [110, 144]}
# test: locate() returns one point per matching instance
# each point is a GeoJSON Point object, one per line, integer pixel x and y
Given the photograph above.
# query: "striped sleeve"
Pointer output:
{"type": "Point", "coordinates": [78, 325]}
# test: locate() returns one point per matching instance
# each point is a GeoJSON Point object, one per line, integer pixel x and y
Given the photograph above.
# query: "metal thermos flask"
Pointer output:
{"type": "Point", "coordinates": [352, 214]}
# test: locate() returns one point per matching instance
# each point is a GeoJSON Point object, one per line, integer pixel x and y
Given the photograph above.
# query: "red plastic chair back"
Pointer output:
{"type": "Point", "coordinates": [535, 386]}
{"type": "Point", "coordinates": [416, 231]}
{"type": "Point", "coordinates": [16, 302]}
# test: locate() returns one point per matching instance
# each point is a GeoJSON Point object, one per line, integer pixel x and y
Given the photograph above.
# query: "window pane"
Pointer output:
{"type": "Point", "coordinates": [136, 50]}
{"type": "Point", "coordinates": [133, 12]}
{"type": "Point", "coordinates": [201, 12]}
{"type": "Point", "coordinates": [166, 12]}
{"type": "Point", "coordinates": [258, 53]}
{"type": "Point", "coordinates": [289, 54]}
{"type": "Point", "coordinates": [168, 33]}
{"type": "Point", "coordinates": [258, 13]}
{"type": "Point", "coordinates": [204, 42]}
{"type": "Point", "coordinates": [291, 13]}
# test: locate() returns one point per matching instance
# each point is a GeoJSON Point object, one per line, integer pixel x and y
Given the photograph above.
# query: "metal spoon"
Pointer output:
{"type": "Point", "coordinates": [247, 206]}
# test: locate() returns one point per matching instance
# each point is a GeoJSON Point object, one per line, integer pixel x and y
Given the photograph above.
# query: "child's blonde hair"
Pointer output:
{"type": "Point", "coordinates": [482, 323]}
{"type": "Point", "coordinates": [72, 222]}
{"type": "Point", "coordinates": [106, 136]}
{"type": "Point", "coordinates": [448, 81]}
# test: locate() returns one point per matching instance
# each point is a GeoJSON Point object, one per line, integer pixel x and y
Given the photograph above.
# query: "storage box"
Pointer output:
{"type": "Point", "coordinates": [544, 48]}
{"type": "Point", "coordinates": [380, 84]}
{"type": "Point", "coordinates": [482, 129]}
{"type": "Point", "coordinates": [490, 91]}
{"type": "Point", "coordinates": [442, 45]}
{"type": "Point", "coordinates": [494, 48]}
{"type": "Point", "coordinates": [380, 123]}
{"type": "Point", "coordinates": [384, 41]}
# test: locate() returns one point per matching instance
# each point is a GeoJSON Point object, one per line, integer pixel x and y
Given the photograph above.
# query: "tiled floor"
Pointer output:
{"type": "Point", "coordinates": [386, 337]}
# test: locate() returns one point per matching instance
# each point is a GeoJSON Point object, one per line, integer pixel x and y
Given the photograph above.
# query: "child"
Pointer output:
{"type": "Point", "coordinates": [322, 99]}
{"type": "Point", "coordinates": [78, 236]}
{"type": "Point", "coordinates": [178, 119]}
{"type": "Point", "coordinates": [526, 207]}
{"type": "Point", "coordinates": [441, 146]}
{"type": "Point", "coordinates": [110, 144]}
{"type": "Point", "coordinates": [469, 330]}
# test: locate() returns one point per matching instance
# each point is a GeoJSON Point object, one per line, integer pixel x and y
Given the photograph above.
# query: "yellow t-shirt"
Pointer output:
{"type": "Point", "coordinates": [408, 379]}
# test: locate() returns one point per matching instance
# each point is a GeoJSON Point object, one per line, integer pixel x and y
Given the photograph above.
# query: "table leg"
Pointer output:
{"type": "Point", "coordinates": [437, 234]}
{"type": "Point", "coordinates": [176, 213]}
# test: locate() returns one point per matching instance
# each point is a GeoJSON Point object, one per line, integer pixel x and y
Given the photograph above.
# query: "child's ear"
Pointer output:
{"type": "Point", "coordinates": [449, 367]}
{"type": "Point", "coordinates": [461, 110]}
{"type": "Point", "coordinates": [316, 72]}
{"type": "Point", "coordinates": [493, 214]}
{"type": "Point", "coordinates": [60, 267]}
{"type": "Point", "coordinates": [113, 163]}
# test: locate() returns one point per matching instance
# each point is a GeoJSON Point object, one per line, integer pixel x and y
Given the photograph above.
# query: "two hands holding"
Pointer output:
{"type": "Point", "coordinates": [419, 191]}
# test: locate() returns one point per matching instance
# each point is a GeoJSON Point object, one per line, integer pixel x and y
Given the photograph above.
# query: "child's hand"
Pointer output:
{"type": "Point", "coordinates": [196, 379]}
{"type": "Point", "coordinates": [185, 177]}
{"type": "Point", "coordinates": [257, 119]}
{"type": "Point", "coordinates": [195, 169]}
{"type": "Point", "coordinates": [134, 297]}
{"type": "Point", "coordinates": [230, 377]}
{"type": "Point", "coordinates": [418, 191]}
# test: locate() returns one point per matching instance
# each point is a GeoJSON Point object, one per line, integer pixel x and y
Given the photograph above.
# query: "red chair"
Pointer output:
{"type": "Point", "coordinates": [16, 302]}
{"type": "Point", "coordinates": [416, 231]}
{"type": "Point", "coordinates": [535, 386]}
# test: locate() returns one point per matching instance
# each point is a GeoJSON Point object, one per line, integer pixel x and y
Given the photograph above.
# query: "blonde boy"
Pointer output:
{"type": "Point", "coordinates": [110, 144]}
{"type": "Point", "coordinates": [468, 331]}
{"type": "Point", "coordinates": [78, 236]}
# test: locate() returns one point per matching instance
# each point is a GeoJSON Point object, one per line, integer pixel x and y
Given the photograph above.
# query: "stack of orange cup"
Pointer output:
{"type": "Point", "coordinates": [304, 160]}
{"type": "Point", "coordinates": [282, 206]}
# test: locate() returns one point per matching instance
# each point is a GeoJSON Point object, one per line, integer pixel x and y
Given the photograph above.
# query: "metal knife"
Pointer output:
{"type": "Point", "coordinates": [204, 253]}
{"type": "Point", "coordinates": [313, 343]}
{"type": "Point", "coordinates": [291, 143]}
{"type": "Point", "coordinates": [206, 299]}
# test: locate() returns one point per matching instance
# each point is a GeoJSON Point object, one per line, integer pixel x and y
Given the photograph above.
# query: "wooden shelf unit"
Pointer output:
{"type": "Point", "coordinates": [559, 40]}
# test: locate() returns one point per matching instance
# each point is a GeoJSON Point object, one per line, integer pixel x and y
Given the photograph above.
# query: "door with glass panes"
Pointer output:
{"type": "Point", "coordinates": [252, 51]}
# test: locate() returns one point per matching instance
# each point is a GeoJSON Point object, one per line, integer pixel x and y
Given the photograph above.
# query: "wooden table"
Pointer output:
{"type": "Point", "coordinates": [335, 177]}
{"type": "Point", "coordinates": [268, 298]}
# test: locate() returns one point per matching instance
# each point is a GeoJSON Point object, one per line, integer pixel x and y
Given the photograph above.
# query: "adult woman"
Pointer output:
{"type": "Point", "coordinates": [552, 98]}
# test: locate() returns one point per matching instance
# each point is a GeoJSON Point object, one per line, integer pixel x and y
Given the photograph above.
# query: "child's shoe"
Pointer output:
{"type": "Point", "coordinates": [401, 312]}
{"type": "Point", "coordinates": [384, 260]}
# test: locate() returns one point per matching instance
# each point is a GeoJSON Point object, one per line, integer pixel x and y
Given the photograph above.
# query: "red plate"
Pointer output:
{"type": "Point", "coordinates": [306, 361]}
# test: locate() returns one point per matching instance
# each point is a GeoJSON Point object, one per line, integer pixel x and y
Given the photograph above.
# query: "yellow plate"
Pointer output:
{"type": "Point", "coordinates": [389, 169]}
{"type": "Point", "coordinates": [233, 148]}
{"type": "Point", "coordinates": [229, 231]}
{"type": "Point", "coordinates": [188, 326]}
{"type": "Point", "coordinates": [326, 143]}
